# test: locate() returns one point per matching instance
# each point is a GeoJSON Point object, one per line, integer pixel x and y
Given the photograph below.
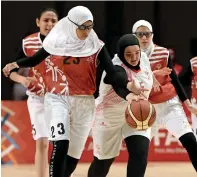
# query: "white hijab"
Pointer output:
{"type": "Point", "coordinates": [145, 23]}
{"type": "Point", "coordinates": [63, 41]}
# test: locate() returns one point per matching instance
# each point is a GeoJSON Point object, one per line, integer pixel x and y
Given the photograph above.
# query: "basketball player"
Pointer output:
{"type": "Point", "coordinates": [170, 113]}
{"type": "Point", "coordinates": [189, 81]}
{"type": "Point", "coordinates": [70, 84]}
{"type": "Point", "coordinates": [177, 67]}
{"type": "Point", "coordinates": [31, 44]}
{"type": "Point", "coordinates": [110, 126]}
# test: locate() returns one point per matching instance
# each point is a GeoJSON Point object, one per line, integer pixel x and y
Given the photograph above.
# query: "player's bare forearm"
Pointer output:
{"type": "Point", "coordinates": [156, 84]}
{"type": "Point", "coordinates": [162, 72]}
{"type": "Point", "coordinates": [16, 77]}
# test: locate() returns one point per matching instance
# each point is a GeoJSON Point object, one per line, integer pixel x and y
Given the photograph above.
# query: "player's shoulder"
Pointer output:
{"type": "Point", "coordinates": [193, 61]}
{"type": "Point", "coordinates": [159, 53]}
{"type": "Point", "coordinates": [160, 48]}
{"type": "Point", "coordinates": [32, 36]}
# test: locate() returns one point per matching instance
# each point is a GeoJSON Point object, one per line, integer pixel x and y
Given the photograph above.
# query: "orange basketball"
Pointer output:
{"type": "Point", "coordinates": [140, 114]}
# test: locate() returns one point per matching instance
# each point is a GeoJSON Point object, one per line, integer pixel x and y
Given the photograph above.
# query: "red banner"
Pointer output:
{"type": "Point", "coordinates": [164, 147]}
{"type": "Point", "coordinates": [18, 146]}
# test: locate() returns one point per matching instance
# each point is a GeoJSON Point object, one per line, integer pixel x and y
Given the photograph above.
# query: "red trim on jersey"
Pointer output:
{"type": "Point", "coordinates": [167, 90]}
{"type": "Point", "coordinates": [30, 48]}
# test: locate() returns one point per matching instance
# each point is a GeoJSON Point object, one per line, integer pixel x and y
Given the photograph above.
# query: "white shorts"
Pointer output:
{"type": "Point", "coordinates": [70, 118]}
{"type": "Point", "coordinates": [171, 116]}
{"type": "Point", "coordinates": [35, 106]}
{"type": "Point", "coordinates": [108, 131]}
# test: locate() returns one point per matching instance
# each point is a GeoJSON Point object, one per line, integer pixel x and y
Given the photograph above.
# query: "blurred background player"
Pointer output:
{"type": "Point", "coordinates": [36, 87]}
{"type": "Point", "coordinates": [169, 111]}
{"type": "Point", "coordinates": [177, 67]}
{"type": "Point", "coordinates": [189, 81]}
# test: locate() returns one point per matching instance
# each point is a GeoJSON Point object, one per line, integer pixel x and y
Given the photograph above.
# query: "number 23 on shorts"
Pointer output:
{"type": "Point", "coordinates": [59, 129]}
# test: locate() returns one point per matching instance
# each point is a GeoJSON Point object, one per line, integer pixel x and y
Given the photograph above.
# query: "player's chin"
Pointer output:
{"type": "Point", "coordinates": [46, 32]}
{"type": "Point", "coordinates": [144, 46]}
{"type": "Point", "coordinates": [84, 37]}
{"type": "Point", "coordinates": [133, 63]}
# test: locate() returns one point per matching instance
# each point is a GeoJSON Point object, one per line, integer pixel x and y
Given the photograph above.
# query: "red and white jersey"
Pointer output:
{"type": "Point", "coordinates": [108, 97]}
{"type": "Point", "coordinates": [71, 75]}
{"type": "Point", "coordinates": [158, 60]}
{"type": "Point", "coordinates": [31, 44]}
{"type": "Point", "coordinates": [194, 80]}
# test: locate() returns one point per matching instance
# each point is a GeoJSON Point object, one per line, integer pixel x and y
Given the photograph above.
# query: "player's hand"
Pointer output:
{"type": "Point", "coordinates": [156, 85]}
{"type": "Point", "coordinates": [9, 67]}
{"type": "Point", "coordinates": [26, 81]}
{"type": "Point", "coordinates": [191, 108]}
{"type": "Point", "coordinates": [131, 96]}
{"type": "Point", "coordinates": [135, 88]}
{"type": "Point", "coordinates": [162, 72]}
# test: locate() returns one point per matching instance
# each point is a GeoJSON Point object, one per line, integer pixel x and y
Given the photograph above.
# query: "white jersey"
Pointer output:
{"type": "Point", "coordinates": [107, 96]}
{"type": "Point", "coordinates": [110, 123]}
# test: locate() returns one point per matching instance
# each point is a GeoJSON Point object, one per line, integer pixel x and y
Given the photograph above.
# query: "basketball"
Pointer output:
{"type": "Point", "coordinates": [140, 114]}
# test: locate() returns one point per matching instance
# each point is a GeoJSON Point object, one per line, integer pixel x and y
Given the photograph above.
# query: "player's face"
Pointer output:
{"type": "Point", "coordinates": [144, 36]}
{"type": "Point", "coordinates": [132, 55]}
{"type": "Point", "coordinates": [84, 30]}
{"type": "Point", "coordinates": [46, 22]}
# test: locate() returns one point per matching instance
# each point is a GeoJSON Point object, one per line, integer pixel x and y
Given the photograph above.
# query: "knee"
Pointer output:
{"type": "Point", "coordinates": [188, 140]}
{"type": "Point", "coordinates": [138, 147]}
{"type": "Point", "coordinates": [42, 144]}
{"type": "Point", "coordinates": [100, 168]}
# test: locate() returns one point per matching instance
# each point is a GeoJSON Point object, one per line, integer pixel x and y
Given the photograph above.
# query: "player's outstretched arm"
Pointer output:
{"type": "Point", "coordinates": [115, 76]}
{"type": "Point", "coordinates": [25, 81]}
{"type": "Point", "coordinates": [32, 61]}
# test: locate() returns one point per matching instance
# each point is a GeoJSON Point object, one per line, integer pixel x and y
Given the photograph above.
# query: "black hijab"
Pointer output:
{"type": "Point", "coordinates": [125, 41]}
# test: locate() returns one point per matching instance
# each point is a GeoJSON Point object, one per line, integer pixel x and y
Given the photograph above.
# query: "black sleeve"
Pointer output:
{"type": "Point", "coordinates": [20, 54]}
{"type": "Point", "coordinates": [99, 72]}
{"type": "Point", "coordinates": [176, 83]}
{"type": "Point", "coordinates": [120, 91]}
{"type": "Point", "coordinates": [186, 80]}
{"type": "Point", "coordinates": [116, 77]}
{"type": "Point", "coordinates": [34, 60]}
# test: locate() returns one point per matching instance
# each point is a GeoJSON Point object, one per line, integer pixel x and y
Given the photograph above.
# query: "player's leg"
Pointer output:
{"type": "Point", "coordinates": [57, 109]}
{"type": "Point", "coordinates": [71, 166]}
{"type": "Point", "coordinates": [82, 115]}
{"type": "Point", "coordinates": [40, 133]}
{"type": "Point", "coordinates": [107, 140]}
{"type": "Point", "coordinates": [177, 124]}
{"type": "Point", "coordinates": [41, 157]}
{"type": "Point", "coordinates": [138, 146]}
{"type": "Point", "coordinates": [194, 125]}
{"type": "Point", "coordinates": [189, 142]}
{"type": "Point", "coordinates": [100, 168]}
{"type": "Point", "coordinates": [107, 143]}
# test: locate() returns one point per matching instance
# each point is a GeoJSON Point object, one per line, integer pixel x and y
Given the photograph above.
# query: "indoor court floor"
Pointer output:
{"type": "Point", "coordinates": [175, 169]}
